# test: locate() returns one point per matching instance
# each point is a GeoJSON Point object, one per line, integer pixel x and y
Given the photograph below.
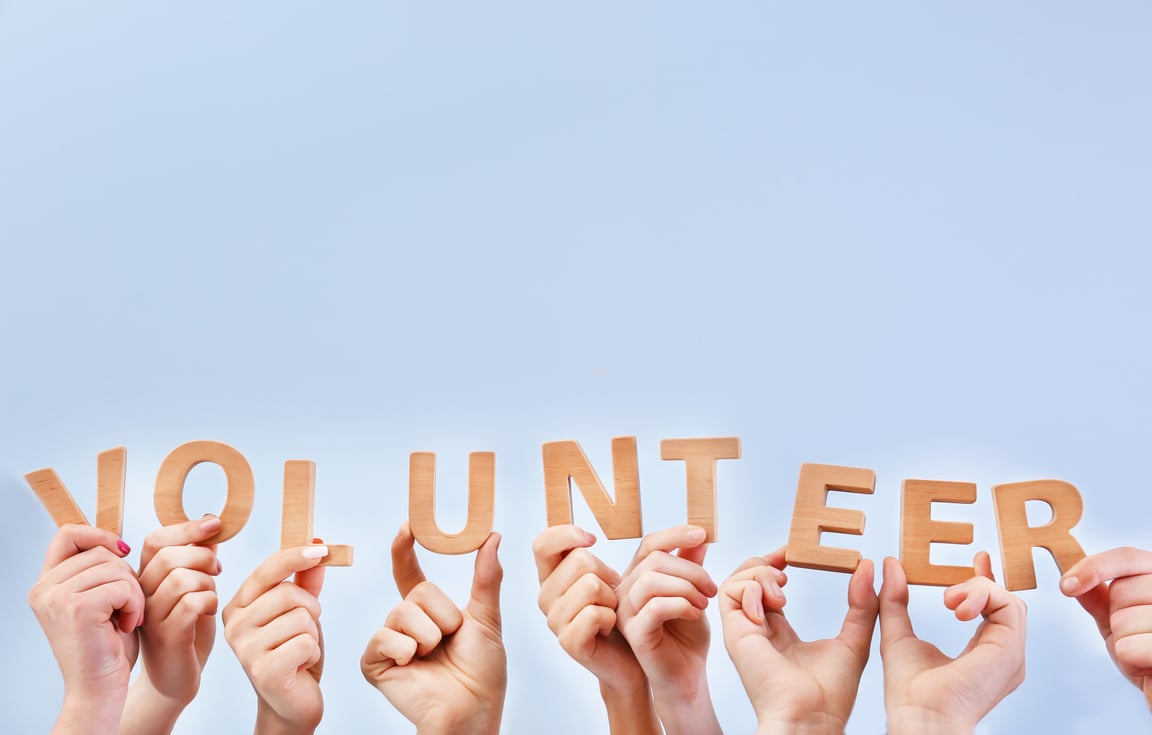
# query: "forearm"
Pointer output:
{"type": "Point", "coordinates": [147, 711]}
{"type": "Point", "coordinates": [631, 712]}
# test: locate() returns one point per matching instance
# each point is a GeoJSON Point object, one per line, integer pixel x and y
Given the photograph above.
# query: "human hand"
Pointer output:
{"type": "Point", "coordinates": [443, 667]}
{"type": "Point", "coordinates": [578, 596]}
{"type": "Point", "coordinates": [89, 604]}
{"type": "Point", "coordinates": [927, 691]}
{"type": "Point", "coordinates": [274, 628]}
{"type": "Point", "coordinates": [176, 576]}
{"type": "Point", "coordinates": [662, 597]}
{"type": "Point", "coordinates": [1115, 587]}
{"type": "Point", "coordinates": [794, 684]}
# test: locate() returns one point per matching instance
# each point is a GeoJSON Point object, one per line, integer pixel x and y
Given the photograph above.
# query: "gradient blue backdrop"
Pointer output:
{"type": "Point", "coordinates": [894, 235]}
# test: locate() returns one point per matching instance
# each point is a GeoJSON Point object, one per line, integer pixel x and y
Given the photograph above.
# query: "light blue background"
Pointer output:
{"type": "Point", "coordinates": [895, 235]}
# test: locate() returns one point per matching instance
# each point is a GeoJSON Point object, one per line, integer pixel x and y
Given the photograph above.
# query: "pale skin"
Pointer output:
{"type": "Point", "coordinates": [1115, 587]}
{"type": "Point", "coordinates": [795, 686]}
{"type": "Point", "coordinates": [928, 691]}
{"type": "Point", "coordinates": [89, 604]}
{"type": "Point", "coordinates": [273, 626]}
{"type": "Point", "coordinates": [661, 601]}
{"type": "Point", "coordinates": [578, 597]}
{"type": "Point", "coordinates": [177, 579]}
{"type": "Point", "coordinates": [441, 666]}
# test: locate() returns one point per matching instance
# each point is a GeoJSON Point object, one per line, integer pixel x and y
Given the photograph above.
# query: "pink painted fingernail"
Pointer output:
{"type": "Point", "coordinates": [314, 552]}
{"type": "Point", "coordinates": [123, 547]}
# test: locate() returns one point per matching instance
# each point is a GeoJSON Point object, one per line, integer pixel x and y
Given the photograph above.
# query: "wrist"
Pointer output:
{"type": "Point", "coordinates": [690, 713]}
{"type": "Point", "coordinates": [918, 720]}
{"type": "Point", "coordinates": [808, 724]}
{"type": "Point", "coordinates": [268, 722]}
{"type": "Point", "coordinates": [475, 726]}
{"type": "Point", "coordinates": [630, 710]}
{"type": "Point", "coordinates": [89, 714]}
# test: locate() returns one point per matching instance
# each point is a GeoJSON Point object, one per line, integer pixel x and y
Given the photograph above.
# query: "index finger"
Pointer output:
{"type": "Point", "coordinates": [1125, 561]}
{"type": "Point", "coordinates": [178, 534]}
{"type": "Point", "coordinates": [669, 539]}
{"type": "Point", "coordinates": [275, 569]}
{"type": "Point", "coordinates": [405, 566]}
{"type": "Point", "coordinates": [72, 539]}
{"type": "Point", "coordinates": [554, 543]}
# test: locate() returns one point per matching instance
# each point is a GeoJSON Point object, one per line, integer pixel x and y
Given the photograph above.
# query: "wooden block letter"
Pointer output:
{"type": "Point", "coordinates": [110, 466]}
{"type": "Point", "coordinates": [1017, 538]}
{"type": "Point", "coordinates": [169, 494]}
{"type": "Point", "coordinates": [296, 520]}
{"type": "Point", "coordinates": [811, 516]}
{"type": "Point", "coordinates": [700, 457]}
{"type": "Point", "coordinates": [565, 462]}
{"type": "Point", "coordinates": [918, 531]}
{"type": "Point", "coordinates": [422, 503]}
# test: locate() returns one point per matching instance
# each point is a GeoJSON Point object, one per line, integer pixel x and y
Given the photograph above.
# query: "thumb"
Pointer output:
{"type": "Point", "coordinates": [894, 621]}
{"type": "Point", "coordinates": [484, 603]}
{"type": "Point", "coordinates": [311, 580]}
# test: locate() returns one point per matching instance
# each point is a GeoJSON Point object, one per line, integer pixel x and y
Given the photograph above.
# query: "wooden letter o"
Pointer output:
{"type": "Point", "coordinates": [169, 494]}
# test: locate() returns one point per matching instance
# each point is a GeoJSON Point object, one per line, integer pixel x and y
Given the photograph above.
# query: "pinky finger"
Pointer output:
{"type": "Point", "coordinates": [579, 637]}
{"type": "Point", "coordinates": [393, 648]}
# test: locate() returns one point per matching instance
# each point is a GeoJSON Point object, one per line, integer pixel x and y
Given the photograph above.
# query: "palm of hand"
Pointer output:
{"type": "Point", "coordinates": [801, 678]}
{"type": "Point", "coordinates": [297, 697]}
{"type": "Point", "coordinates": [456, 677]}
{"type": "Point", "coordinates": [675, 647]}
{"type": "Point", "coordinates": [612, 661]}
{"type": "Point", "coordinates": [174, 663]}
{"type": "Point", "coordinates": [930, 679]}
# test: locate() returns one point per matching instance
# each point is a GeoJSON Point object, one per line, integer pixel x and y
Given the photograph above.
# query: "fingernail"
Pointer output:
{"type": "Point", "coordinates": [209, 521]}
{"type": "Point", "coordinates": [314, 552]}
{"type": "Point", "coordinates": [219, 566]}
{"type": "Point", "coordinates": [696, 534]}
{"type": "Point", "coordinates": [123, 547]}
{"type": "Point", "coordinates": [1070, 584]}
{"type": "Point", "coordinates": [589, 538]}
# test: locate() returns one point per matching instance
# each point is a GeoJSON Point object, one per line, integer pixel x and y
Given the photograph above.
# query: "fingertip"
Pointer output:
{"type": "Point", "coordinates": [1070, 585]}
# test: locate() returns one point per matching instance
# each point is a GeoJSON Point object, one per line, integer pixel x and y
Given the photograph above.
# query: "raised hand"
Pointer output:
{"type": "Point", "coordinates": [662, 598]}
{"type": "Point", "coordinates": [274, 627]}
{"type": "Point", "coordinates": [443, 667]}
{"type": "Point", "coordinates": [928, 691]}
{"type": "Point", "coordinates": [89, 604]}
{"type": "Point", "coordinates": [578, 596]}
{"type": "Point", "coordinates": [177, 578]}
{"type": "Point", "coordinates": [793, 683]}
{"type": "Point", "coordinates": [1115, 587]}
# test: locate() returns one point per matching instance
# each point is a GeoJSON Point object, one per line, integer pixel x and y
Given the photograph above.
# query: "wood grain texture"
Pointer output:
{"type": "Point", "coordinates": [110, 467]}
{"type": "Point", "coordinates": [169, 493]}
{"type": "Point", "coordinates": [422, 503]}
{"type": "Point", "coordinates": [811, 516]}
{"type": "Point", "coordinates": [565, 463]}
{"type": "Point", "coordinates": [699, 456]}
{"type": "Point", "coordinates": [918, 531]}
{"type": "Point", "coordinates": [298, 511]}
{"type": "Point", "coordinates": [1017, 538]}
